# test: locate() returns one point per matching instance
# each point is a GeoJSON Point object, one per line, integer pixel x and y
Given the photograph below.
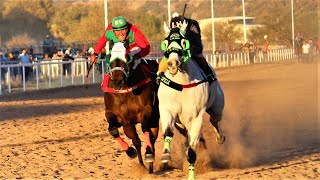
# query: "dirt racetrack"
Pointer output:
{"type": "Point", "coordinates": [271, 121]}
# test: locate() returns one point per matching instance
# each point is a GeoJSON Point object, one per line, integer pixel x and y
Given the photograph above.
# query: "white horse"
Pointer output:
{"type": "Point", "coordinates": [185, 95]}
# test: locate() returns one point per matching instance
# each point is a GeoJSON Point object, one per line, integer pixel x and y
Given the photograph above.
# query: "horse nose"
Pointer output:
{"type": "Point", "coordinates": [117, 84]}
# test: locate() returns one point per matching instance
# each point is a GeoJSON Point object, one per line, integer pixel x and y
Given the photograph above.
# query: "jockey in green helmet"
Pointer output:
{"type": "Point", "coordinates": [120, 30]}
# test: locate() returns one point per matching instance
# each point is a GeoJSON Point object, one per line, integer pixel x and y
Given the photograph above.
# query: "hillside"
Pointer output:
{"type": "Point", "coordinates": [28, 21]}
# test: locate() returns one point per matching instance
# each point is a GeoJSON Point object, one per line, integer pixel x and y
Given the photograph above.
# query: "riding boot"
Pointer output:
{"type": "Point", "coordinates": [163, 66]}
{"type": "Point", "coordinates": [203, 64]}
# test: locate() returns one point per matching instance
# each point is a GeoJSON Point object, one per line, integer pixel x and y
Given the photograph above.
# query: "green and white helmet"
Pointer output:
{"type": "Point", "coordinates": [119, 23]}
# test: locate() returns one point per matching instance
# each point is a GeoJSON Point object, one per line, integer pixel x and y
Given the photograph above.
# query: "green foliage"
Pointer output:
{"type": "Point", "coordinates": [83, 21]}
{"type": "Point", "coordinates": [39, 9]}
{"type": "Point", "coordinates": [20, 16]}
{"type": "Point", "coordinates": [23, 40]}
{"type": "Point", "coordinates": [66, 20]}
{"type": "Point", "coordinates": [90, 27]}
{"type": "Point", "coordinates": [275, 15]}
{"type": "Point", "coordinates": [225, 34]}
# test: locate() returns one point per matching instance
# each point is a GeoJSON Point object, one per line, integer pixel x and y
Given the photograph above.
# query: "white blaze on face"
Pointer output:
{"type": "Point", "coordinates": [173, 63]}
{"type": "Point", "coordinates": [118, 51]}
{"type": "Point", "coordinates": [173, 57]}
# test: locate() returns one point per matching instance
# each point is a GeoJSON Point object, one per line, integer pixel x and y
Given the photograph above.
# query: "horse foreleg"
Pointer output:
{"type": "Point", "coordinates": [168, 128]}
{"type": "Point", "coordinates": [192, 157]}
{"type": "Point", "coordinates": [130, 131]}
{"type": "Point", "coordinates": [113, 130]}
{"type": "Point", "coordinates": [150, 126]}
{"type": "Point", "coordinates": [194, 135]}
{"type": "Point", "coordinates": [146, 124]}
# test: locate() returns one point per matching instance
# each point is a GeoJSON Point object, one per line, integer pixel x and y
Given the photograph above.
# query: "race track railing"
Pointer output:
{"type": "Point", "coordinates": [55, 73]}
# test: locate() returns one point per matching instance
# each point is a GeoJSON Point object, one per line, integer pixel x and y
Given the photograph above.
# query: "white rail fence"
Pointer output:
{"type": "Point", "coordinates": [57, 73]}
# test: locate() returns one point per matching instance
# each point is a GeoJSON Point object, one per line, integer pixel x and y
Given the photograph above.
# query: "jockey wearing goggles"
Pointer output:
{"type": "Point", "coordinates": [120, 30]}
{"type": "Point", "coordinates": [193, 34]}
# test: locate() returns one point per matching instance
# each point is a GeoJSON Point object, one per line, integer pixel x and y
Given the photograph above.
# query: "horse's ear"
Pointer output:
{"type": "Point", "coordinates": [166, 29]}
{"type": "Point", "coordinates": [184, 27]}
{"type": "Point", "coordinates": [185, 44]}
{"type": "Point", "coordinates": [164, 45]}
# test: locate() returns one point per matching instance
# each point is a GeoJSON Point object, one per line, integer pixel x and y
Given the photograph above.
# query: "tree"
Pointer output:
{"type": "Point", "coordinates": [226, 34]}
{"type": "Point", "coordinates": [22, 40]}
{"type": "Point", "coordinates": [275, 15]}
{"type": "Point", "coordinates": [19, 17]}
{"type": "Point", "coordinates": [90, 27]}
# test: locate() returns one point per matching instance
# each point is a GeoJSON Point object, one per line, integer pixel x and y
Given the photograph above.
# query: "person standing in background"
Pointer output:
{"type": "Point", "coordinates": [298, 45]}
{"type": "Point", "coordinates": [306, 52]}
{"type": "Point", "coordinates": [265, 48]}
{"type": "Point", "coordinates": [25, 59]}
{"type": "Point", "coordinates": [311, 50]}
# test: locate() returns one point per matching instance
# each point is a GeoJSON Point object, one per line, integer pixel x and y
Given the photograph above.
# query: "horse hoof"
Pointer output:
{"type": "Point", "coordinates": [221, 140]}
{"type": "Point", "coordinates": [166, 157]}
{"type": "Point", "coordinates": [149, 158]}
{"type": "Point", "coordinates": [131, 152]}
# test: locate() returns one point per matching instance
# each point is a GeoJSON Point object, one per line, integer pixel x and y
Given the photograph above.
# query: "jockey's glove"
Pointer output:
{"type": "Point", "coordinates": [159, 75]}
{"type": "Point", "coordinates": [136, 57]}
{"type": "Point", "coordinates": [94, 58]}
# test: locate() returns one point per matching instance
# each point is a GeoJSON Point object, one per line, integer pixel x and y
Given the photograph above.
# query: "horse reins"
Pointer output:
{"type": "Point", "coordinates": [127, 90]}
{"type": "Point", "coordinates": [87, 78]}
{"type": "Point", "coordinates": [179, 87]}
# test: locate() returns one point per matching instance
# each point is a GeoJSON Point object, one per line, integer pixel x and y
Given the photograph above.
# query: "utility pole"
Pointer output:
{"type": "Point", "coordinates": [292, 23]}
{"type": "Point", "coordinates": [212, 22]}
{"type": "Point", "coordinates": [106, 22]}
{"type": "Point", "coordinates": [244, 22]}
{"type": "Point", "coordinates": [169, 13]}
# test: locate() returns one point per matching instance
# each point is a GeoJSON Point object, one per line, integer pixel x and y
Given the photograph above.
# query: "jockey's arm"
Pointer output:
{"type": "Point", "coordinates": [194, 36]}
{"type": "Point", "coordinates": [101, 44]}
{"type": "Point", "coordinates": [141, 42]}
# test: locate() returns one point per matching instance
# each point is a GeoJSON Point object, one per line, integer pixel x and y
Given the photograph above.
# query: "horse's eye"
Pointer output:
{"type": "Point", "coordinates": [169, 63]}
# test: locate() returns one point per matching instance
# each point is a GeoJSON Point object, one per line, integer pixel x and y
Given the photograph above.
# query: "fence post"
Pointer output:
{"type": "Point", "coordinates": [102, 69]}
{"type": "Point", "coordinates": [228, 64]}
{"type": "Point", "coordinates": [0, 79]}
{"type": "Point", "coordinates": [37, 75]}
{"type": "Point", "coordinates": [72, 71]}
{"type": "Point", "coordinates": [242, 57]}
{"type": "Point", "coordinates": [93, 73]}
{"type": "Point", "coordinates": [49, 70]}
{"type": "Point", "coordinates": [238, 61]}
{"type": "Point", "coordinates": [24, 77]}
{"type": "Point", "coordinates": [61, 73]}
{"type": "Point", "coordinates": [82, 71]}
{"type": "Point", "coordinates": [9, 79]}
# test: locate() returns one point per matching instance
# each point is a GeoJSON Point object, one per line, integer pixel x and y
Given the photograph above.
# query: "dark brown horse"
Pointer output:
{"type": "Point", "coordinates": [130, 97]}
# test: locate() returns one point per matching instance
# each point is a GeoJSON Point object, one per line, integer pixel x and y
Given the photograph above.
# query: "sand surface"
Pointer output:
{"type": "Point", "coordinates": [271, 122]}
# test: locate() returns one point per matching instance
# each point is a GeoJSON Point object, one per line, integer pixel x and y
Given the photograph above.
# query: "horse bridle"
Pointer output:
{"type": "Point", "coordinates": [119, 68]}
{"type": "Point", "coordinates": [119, 54]}
{"type": "Point", "coordinates": [176, 42]}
